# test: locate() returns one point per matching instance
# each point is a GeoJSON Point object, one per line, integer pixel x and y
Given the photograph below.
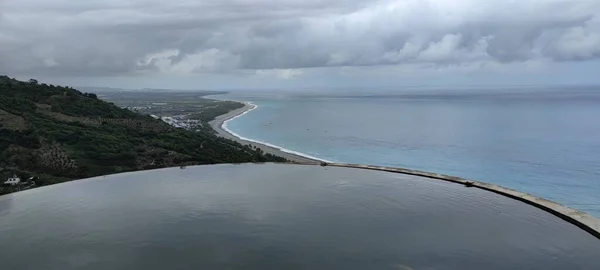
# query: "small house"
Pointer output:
{"type": "Point", "coordinates": [14, 180]}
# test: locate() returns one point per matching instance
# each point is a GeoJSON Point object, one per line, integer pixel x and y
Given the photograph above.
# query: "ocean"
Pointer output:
{"type": "Point", "coordinates": [540, 140]}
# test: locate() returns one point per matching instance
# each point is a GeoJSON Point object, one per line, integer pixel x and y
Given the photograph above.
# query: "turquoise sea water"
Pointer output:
{"type": "Point", "coordinates": [544, 141]}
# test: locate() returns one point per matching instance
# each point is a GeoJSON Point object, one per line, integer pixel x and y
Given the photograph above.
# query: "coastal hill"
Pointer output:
{"type": "Point", "coordinates": [58, 134]}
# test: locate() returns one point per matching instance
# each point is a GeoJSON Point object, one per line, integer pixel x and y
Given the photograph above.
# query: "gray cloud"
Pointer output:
{"type": "Point", "coordinates": [108, 38]}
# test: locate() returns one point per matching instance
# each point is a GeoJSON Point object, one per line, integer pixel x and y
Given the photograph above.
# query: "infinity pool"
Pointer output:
{"type": "Point", "coordinates": [281, 217]}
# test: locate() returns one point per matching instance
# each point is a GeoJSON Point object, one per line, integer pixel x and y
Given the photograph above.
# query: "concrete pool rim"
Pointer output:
{"type": "Point", "coordinates": [578, 218]}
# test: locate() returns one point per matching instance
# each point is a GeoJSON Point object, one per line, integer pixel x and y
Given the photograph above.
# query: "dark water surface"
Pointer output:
{"type": "Point", "coordinates": [281, 217]}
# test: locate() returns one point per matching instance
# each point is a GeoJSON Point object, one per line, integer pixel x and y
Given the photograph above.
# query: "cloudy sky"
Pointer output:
{"type": "Point", "coordinates": [300, 43]}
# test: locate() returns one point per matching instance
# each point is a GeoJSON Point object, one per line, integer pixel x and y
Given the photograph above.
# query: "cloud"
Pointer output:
{"type": "Point", "coordinates": [281, 73]}
{"type": "Point", "coordinates": [576, 43]}
{"type": "Point", "coordinates": [128, 38]}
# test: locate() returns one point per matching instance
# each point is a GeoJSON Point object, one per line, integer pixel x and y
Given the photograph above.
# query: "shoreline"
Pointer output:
{"type": "Point", "coordinates": [582, 220]}
{"type": "Point", "coordinates": [219, 124]}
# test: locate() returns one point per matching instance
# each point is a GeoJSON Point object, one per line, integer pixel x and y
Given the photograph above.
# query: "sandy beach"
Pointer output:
{"type": "Point", "coordinates": [217, 125]}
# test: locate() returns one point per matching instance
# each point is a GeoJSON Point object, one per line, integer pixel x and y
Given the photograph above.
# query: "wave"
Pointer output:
{"type": "Point", "coordinates": [282, 149]}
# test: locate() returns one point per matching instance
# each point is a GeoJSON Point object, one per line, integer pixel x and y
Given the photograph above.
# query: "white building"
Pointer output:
{"type": "Point", "coordinates": [13, 180]}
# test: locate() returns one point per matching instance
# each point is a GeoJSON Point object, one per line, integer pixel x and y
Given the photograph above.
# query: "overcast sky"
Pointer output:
{"type": "Point", "coordinates": [300, 43]}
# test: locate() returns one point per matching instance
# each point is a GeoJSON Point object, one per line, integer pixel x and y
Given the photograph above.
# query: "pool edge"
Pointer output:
{"type": "Point", "coordinates": [578, 218]}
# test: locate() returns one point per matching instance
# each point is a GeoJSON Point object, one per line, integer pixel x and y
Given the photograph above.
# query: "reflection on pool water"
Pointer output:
{"type": "Point", "coordinates": [281, 217]}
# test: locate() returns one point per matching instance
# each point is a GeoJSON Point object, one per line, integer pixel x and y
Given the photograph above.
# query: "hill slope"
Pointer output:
{"type": "Point", "coordinates": [60, 134]}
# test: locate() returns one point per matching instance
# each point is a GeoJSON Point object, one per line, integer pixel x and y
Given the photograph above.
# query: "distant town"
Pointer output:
{"type": "Point", "coordinates": [185, 109]}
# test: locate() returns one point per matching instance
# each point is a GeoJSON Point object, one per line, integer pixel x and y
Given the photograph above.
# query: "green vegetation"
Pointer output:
{"type": "Point", "coordinates": [188, 107]}
{"type": "Point", "coordinates": [209, 113]}
{"type": "Point", "coordinates": [222, 107]}
{"type": "Point", "coordinates": [60, 134]}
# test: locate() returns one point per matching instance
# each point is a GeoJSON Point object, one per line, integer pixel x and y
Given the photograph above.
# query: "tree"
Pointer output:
{"type": "Point", "coordinates": [90, 95]}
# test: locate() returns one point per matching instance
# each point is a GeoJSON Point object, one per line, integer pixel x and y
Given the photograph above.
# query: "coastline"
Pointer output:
{"type": "Point", "coordinates": [219, 124]}
{"type": "Point", "coordinates": [584, 221]}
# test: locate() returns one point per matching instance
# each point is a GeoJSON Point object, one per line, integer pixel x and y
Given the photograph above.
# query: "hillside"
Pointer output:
{"type": "Point", "coordinates": [60, 134]}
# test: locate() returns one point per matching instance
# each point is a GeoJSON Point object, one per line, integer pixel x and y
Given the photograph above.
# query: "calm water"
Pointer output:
{"type": "Point", "coordinates": [544, 141]}
{"type": "Point", "coordinates": [281, 217]}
